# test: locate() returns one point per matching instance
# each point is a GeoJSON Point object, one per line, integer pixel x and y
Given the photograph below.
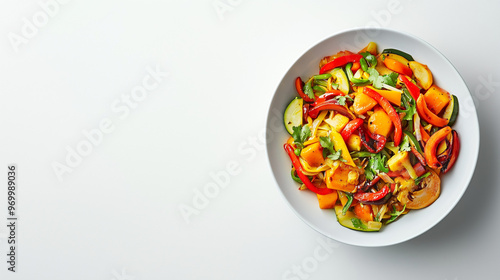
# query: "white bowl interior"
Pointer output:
{"type": "Point", "coordinates": [454, 184]}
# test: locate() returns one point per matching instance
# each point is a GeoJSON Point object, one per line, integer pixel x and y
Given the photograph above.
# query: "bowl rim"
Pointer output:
{"type": "Point", "coordinates": [472, 163]}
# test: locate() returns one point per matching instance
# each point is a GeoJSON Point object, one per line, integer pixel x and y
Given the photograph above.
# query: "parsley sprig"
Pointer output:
{"type": "Point", "coordinates": [300, 135]}
{"type": "Point", "coordinates": [329, 150]}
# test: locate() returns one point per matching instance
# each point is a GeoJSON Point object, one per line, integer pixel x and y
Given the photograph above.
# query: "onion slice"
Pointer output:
{"type": "Point", "coordinates": [416, 125]}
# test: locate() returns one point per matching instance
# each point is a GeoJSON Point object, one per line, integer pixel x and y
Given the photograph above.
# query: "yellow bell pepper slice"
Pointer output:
{"type": "Point", "coordinates": [339, 144]}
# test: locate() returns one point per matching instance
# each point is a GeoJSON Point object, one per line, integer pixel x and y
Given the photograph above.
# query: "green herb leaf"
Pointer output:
{"type": "Point", "coordinates": [357, 223]}
{"type": "Point", "coordinates": [350, 198]}
{"type": "Point", "coordinates": [419, 179]}
{"type": "Point", "coordinates": [337, 156]}
{"type": "Point", "coordinates": [342, 99]}
{"type": "Point", "coordinates": [390, 79]}
{"type": "Point", "coordinates": [374, 78]}
{"type": "Point", "coordinates": [395, 214]}
{"type": "Point", "coordinates": [329, 150]}
{"type": "Point", "coordinates": [376, 164]}
{"type": "Point", "coordinates": [409, 103]}
{"type": "Point", "coordinates": [327, 143]}
{"type": "Point", "coordinates": [405, 144]}
{"type": "Point", "coordinates": [300, 135]}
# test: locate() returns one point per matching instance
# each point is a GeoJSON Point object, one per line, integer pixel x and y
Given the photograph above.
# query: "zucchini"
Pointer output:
{"type": "Point", "coordinates": [398, 52]}
{"type": "Point", "coordinates": [293, 114]}
{"type": "Point", "coordinates": [349, 220]}
{"type": "Point", "coordinates": [451, 111]}
{"type": "Point", "coordinates": [341, 79]}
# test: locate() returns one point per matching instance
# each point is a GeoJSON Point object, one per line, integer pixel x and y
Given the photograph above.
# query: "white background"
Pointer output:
{"type": "Point", "coordinates": [116, 215]}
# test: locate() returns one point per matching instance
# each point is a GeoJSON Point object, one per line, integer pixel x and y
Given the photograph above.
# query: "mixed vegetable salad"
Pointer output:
{"type": "Point", "coordinates": [371, 135]}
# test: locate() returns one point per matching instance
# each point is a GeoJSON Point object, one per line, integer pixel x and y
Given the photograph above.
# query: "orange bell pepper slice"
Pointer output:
{"type": "Point", "coordinates": [397, 66]}
{"type": "Point", "coordinates": [432, 144]}
{"type": "Point", "coordinates": [427, 115]}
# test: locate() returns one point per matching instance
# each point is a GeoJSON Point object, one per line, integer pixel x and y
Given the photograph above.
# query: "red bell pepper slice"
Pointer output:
{"type": "Point", "coordinates": [327, 96]}
{"type": "Point", "coordinates": [448, 160]}
{"type": "Point", "coordinates": [412, 88]}
{"type": "Point", "coordinates": [418, 155]}
{"type": "Point", "coordinates": [431, 146]}
{"type": "Point", "coordinates": [393, 115]}
{"type": "Point", "coordinates": [298, 167]}
{"type": "Point", "coordinates": [350, 128]}
{"type": "Point", "coordinates": [299, 85]}
{"type": "Point", "coordinates": [330, 105]}
{"type": "Point", "coordinates": [366, 197]}
{"type": "Point", "coordinates": [340, 61]}
{"type": "Point", "coordinates": [364, 186]}
{"type": "Point", "coordinates": [374, 143]}
{"type": "Point", "coordinates": [305, 112]}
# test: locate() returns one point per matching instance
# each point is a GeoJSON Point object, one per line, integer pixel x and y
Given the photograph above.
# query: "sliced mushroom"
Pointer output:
{"type": "Point", "coordinates": [428, 192]}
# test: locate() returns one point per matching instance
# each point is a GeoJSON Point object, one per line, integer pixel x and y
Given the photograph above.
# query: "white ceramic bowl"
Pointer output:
{"type": "Point", "coordinates": [454, 183]}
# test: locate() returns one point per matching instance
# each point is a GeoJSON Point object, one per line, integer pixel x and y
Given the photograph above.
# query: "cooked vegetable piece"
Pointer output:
{"type": "Point", "coordinates": [451, 111]}
{"type": "Point", "coordinates": [379, 122]}
{"type": "Point", "coordinates": [299, 85]}
{"type": "Point", "coordinates": [338, 122]}
{"type": "Point", "coordinates": [354, 143]}
{"type": "Point", "coordinates": [430, 189]}
{"type": "Point", "coordinates": [298, 167]}
{"type": "Point", "coordinates": [401, 161]}
{"type": "Point", "coordinates": [351, 127]}
{"type": "Point", "coordinates": [426, 114]}
{"type": "Point", "coordinates": [393, 96]}
{"type": "Point", "coordinates": [313, 154]}
{"type": "Point", "coordinates": [422, 74]}
{"type": "Point", "coordinates": [391, 112]}
{"type": "Point", "coordinates": [364, 212]}
{"type": "Point", "coordinates": [340, 61]}
{"type": "Point", "coordinates": [436, 99]}
{"type": "Point", "coordinates": [349, 220]}
{"type": "Point", "coordinates": [340, 145]}
{"type": "Point", "coordinates": [432, 145]}
{"type": "Point", "coordinates": [340, 78]}
{"type": "Point", "coordinates": [363, 103]}
{"type": "Point", "coordinates": [398, 52]}
{"type": "Point", "coordinates": [397, 66]}
{"type": "Point", "coordinates": [327, 201]}
{"type": "Point", "coordinates": [293, 114]}
{"type": "Point", "coordinates": [397, 57]}
{"type": "Point", "coordinates": [371, 48]}
{"type": "Point", "coordinates": [338, 179]}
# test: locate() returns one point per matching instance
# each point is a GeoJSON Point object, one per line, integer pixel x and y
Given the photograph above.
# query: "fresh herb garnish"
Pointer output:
{"type": "Point", "coordinates": [405, 144]}
{"type": "Point", "coordinates": [419, 179]}
{"type": "Point", "coordinates": [409, 103]}
{"type": "Point", "coordinates": [357, 223]}
{"type": "Point", "coordinates": [300, 135]}
{"type": "Point", "coordinates": [395, 214]}
{"type": "Point", "coordinates": [390, 79]}
{"type": "Point", "coordinates": [342, 99]}
{"type": "Point", "coordinates": [350, 198]}
{"type": "Point", "coordinates": [329, 150]}
{"type": "Point", "coordinates": [375, 165]}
